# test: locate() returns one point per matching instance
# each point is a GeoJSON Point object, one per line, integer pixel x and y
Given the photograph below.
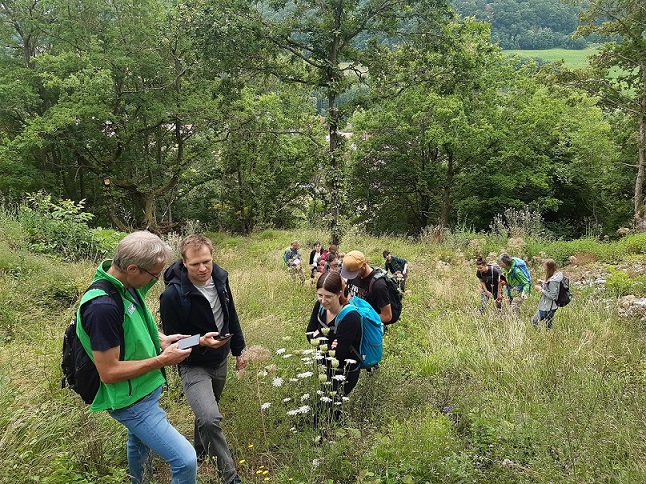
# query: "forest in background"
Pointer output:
{"type": "Point", "coordinates": [394, 116]}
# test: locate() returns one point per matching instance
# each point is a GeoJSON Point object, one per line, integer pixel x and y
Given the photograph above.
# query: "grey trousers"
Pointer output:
{"type": "Point", "coordinates": [203, 388]}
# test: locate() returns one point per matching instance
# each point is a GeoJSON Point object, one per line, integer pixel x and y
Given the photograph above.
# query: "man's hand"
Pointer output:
{"type": "Point", "coordinates": [166, 341]}
{"type": "Point", "coordinates": [172, 355]}
{"type": "Point", "coordinates": [241, 362]}
{"type": "Point", "coordinates": [209, 340]}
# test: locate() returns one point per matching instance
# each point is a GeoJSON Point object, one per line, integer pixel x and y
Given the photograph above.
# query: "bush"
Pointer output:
{"type": "Point", "coordinates": [59, 228]}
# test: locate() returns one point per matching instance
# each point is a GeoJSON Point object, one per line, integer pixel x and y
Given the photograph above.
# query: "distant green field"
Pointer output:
{"type": "Point", "coordinates": [573, 58]}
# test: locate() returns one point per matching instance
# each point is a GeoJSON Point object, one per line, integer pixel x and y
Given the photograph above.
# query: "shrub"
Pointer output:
{"type": "Point", "coordinates": [59, 227]}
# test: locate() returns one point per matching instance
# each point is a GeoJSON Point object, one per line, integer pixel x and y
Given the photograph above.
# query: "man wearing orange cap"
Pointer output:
{"type": "Point", "coordinates": [361, 283]}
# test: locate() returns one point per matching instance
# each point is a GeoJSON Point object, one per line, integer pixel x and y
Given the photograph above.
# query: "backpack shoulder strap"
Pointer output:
{"type": "Point", "coordinates": [110, 290]}
{"type": "Point", "coordinates": [345, 310]}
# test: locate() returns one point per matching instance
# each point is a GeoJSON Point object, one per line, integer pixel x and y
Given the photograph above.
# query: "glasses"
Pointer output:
{"type": "Point", "coordinates": [154, 276]}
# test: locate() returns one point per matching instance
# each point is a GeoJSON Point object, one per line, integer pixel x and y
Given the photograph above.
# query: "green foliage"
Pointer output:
{"type": "Point", "coordinates": [59, 227]}
{"type": "Point", "coordinates": [620, 283]}
{"type": "Point", "coordinates": [460, 396]}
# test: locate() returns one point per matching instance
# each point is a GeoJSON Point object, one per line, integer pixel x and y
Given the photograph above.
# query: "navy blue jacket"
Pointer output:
{"type": "Point", "coordinates": [191, 313]}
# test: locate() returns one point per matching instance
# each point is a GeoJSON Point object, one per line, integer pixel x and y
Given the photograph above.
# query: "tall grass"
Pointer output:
{"type": "Point", "coordinates": [460, 396]}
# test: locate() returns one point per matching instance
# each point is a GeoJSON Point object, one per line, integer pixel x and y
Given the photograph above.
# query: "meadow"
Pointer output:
{"type": "Point", "coordinates": [575, 59]}
{"type": "Point", "coordinates": [459, 397]}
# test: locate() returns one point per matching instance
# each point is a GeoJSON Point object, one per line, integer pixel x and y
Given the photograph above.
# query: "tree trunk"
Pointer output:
{"type": "Point", "coordinates": [640, 222]}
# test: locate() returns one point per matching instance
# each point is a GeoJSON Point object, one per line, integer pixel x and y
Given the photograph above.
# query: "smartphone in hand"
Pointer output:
{"type": "Point", "coordinates": [223, 337]}
{"type": "Point", "coordinates": [185, 343]}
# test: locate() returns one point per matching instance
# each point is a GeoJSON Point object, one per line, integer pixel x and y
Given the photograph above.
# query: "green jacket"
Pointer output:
{"type": "Point", "coordinates": [141, 341]}
{"type": "Point", "coordinates": [395, 264]}
{"type": "Point", "coordinates": [516, 279]}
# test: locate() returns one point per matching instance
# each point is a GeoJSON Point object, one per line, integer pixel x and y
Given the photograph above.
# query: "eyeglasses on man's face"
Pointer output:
{"type": "Point", "coordinates": [154, 276]}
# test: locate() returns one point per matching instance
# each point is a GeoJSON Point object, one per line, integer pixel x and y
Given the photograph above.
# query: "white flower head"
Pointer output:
{"type": "Point", "coordinates": [288, 355]}
{"type": "Point", "coordinates": [339, 377]}
{"type": "Point", "coordinates": [285, 400]}
{"type": "Point", "coordinates": [325, 399]}
{"type": "Point", "coordinates": [306, 374]}
{"type": "Point", "coordinates": [291, 413]}
{"type": "Point", "coordinates": [262, 373]}
{"type": "Point", "coordinates": [305, 396]}
{"type": "Point", "coordinates": [308, 352]}
{"type": "Point", "coordinates": [318, 356]}
{"type": "Point", "coordinates": [304, 409]}
{"type": "Point", "coordinates": [280, 351]}
{"type": "Point", "coordinates": [265, 406]}
{"type": "Point", "coordinates": [277, 382]}
{"type": "Point", "coordinates": [292, 380]}
{"type": "Point", "coordinates": [350, 361]}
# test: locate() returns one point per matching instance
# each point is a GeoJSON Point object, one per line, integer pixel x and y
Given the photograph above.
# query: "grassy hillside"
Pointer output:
{"type": "Point", "coordinates": [575, 59]}
{"type": "Point", "coordinates": [460, 396]}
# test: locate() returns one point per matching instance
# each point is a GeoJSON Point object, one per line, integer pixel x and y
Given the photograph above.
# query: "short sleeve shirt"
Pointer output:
{"type": "Point", "coordinates": [377, 296]}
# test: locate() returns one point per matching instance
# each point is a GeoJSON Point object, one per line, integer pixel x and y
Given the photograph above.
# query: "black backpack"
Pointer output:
{"type": "Point", "coordinates": [564, 297]}
{"type": "Point", "coordinates": [79, 371]}
{"type": "Point", "coordinates": [395, 293]}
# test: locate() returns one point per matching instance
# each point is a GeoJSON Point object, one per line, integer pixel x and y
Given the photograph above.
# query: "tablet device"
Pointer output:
{"type": "Point", "coordinates": [189, 342]}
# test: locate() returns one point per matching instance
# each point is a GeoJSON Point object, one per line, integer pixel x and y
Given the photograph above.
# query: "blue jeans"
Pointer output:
{"type": "Point", "coordinates": [203, 388]}
{"type": "Point", "coordinates": [547, 316]}
{"type": "Point", "coordinates": [149, 429]}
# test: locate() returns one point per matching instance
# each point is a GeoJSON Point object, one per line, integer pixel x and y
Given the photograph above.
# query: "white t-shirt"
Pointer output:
{"type": "Point", "coordinates": [211, 295]}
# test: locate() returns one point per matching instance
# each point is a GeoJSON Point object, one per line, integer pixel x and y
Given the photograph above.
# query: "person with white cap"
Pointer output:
{"type": "Point", "coordinates": [362, 283]}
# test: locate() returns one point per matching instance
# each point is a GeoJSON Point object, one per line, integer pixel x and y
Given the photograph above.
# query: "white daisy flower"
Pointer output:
{"type": "Point", "coordinates": [277, 382]}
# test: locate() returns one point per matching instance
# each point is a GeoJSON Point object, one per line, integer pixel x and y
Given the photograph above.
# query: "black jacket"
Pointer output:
{"type": "Point", "coordinates": [173, 309]}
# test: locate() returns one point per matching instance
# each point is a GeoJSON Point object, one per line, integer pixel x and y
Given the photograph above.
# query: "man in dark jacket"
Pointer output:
{"type": "Point", "coordinates": [198, 300]}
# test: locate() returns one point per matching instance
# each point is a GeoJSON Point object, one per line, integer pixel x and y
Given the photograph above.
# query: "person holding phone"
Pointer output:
{"type": "Point", "coordinates": [129, 353]}
{"type": "Point", "coordinates": [198, 300]}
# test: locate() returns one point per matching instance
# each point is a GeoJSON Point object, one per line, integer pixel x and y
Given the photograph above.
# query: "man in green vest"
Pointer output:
{"type": "Point", "coordinates": [129, 353]}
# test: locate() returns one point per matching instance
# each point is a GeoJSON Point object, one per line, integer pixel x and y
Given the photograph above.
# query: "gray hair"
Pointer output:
{"type": "Point", "coordinates": [143, 249]}
{"type": "Point", "coordinates": [505, 259]}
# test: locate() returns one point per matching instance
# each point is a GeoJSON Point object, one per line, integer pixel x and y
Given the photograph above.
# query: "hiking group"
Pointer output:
{"type": "Point", "coordinates": [514, 275]}
{"type": "Point", "coordinates": [114, 354]}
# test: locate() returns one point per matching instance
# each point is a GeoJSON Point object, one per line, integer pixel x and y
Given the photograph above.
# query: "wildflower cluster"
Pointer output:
{"type": "Point", "coordinates": [304, 384]}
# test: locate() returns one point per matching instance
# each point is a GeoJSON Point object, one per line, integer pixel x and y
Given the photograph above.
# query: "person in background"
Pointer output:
{"type": "Point", "coordinates": [359, 275]}
{"type": "Point", "coordinates": [315, 257]}
{"type": "Point", "coordinates": [198, 300]}
{"type": "Point", "coordinates": [129, 353]}
{"type": "Point", "coordinates": [294, 261]}
{"type": "Point", "coordinates": [490, 277]}
{"type": "Point", "coordinates": [549, 289]}
{"type": "Point", "coordinates": [516, 278]}
{"type": "Point", "coordinates": [397, 266]}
